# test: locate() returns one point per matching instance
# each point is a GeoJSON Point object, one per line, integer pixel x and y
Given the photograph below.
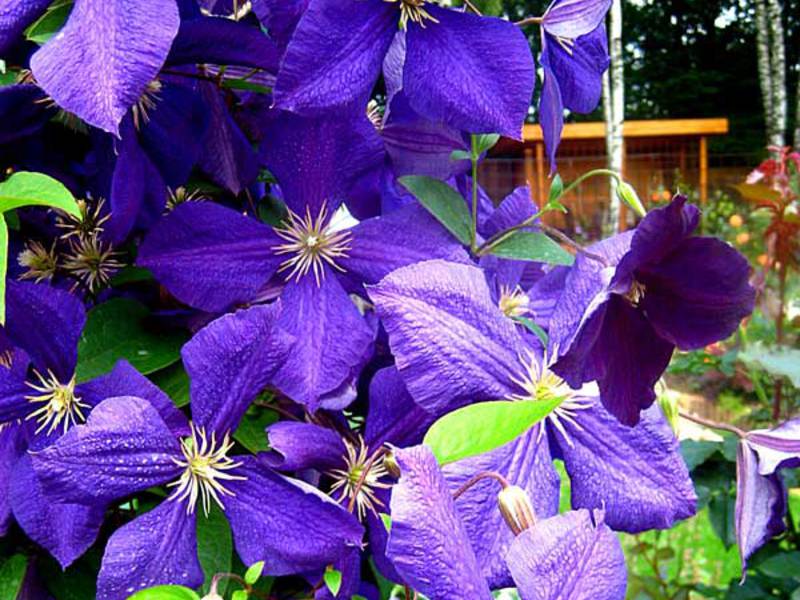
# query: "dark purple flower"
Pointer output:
{"type": "Point", "coordinates": [453, 346]}
{"type": "Point", "coordinates": [15, 16]}
{"type": "Point", "coordinates": [473, 73]}
{"type": "Point", "coordinates": [659, 287]}
{"type": "Point", "coordinates": [125, 447]}
{"type": "Point", "coordinates": [213, 258]}
{"type": "Point", "coordinates": [574, 58]}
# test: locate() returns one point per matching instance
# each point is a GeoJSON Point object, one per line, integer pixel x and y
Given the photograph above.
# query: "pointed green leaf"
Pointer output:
{"type": "Point", "coordinates": [443, 202]}
{"type": "Point", "coordinates": [333, 580]}
{"type": "Point", "coordinates": [485, 141]}
{"type": "Point", "coordinates": [46, 26]}
{"type": "Point", "coordinates": [12, 572]}
{"type": "Point", "coordinates": [460, 155]}
{"type": "Point", "coordinates": [534, 246]}
{"type": "Point", "coordinates": [165, 592]}
{"type": "Point", "coordinates": [3, 267]}
{"type": "Point", "coordinates": [484, 426]}
{"type": "Point", "coordinates": [775, 360]}
{"type": "Point", "coordinates": [36, 189]}
{"type": "Point", "coordinates": [531, 326]}
{"type": "Point", "coordinates": [387, 521]}
{"type": "Point", "coordinates": [254, 572]}
{"type": "Point", "coordinates": [174, 382]}
{"type": "Point", "coordinates": [239, 595]}
{"type": "Point", "coordinates": [214, 546]}
{"type": "Point", "coordinates": [556, 189]}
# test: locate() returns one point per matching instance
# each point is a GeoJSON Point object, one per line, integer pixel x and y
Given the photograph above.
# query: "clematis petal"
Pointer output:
{"type": "Point", "coordinates": [474, 73]}
{"type": "Point", "coordinates": [393, 415]}
{"type": "Point", "coordinates": [635, 473]}
{"type": "Point", "coordinates": [545, 295]}
{"type": "Point", "coordinates": [513, 210]}
{"type": "Point", "coordinates": [21, 107]}
{"type": "Point", "coordinates": [424, 517]}
{"type": "Point", "coordinates": [295, 446]}
{"type": "Point", "coordinates": [760, 504]}
{"type": "Point", "coordinates": [573, 555]}
{"type": "Point", "coordinates": [164, 543]}
{"type": "Point", "coordinates": [525, 462]}
{"type": "Point", "coordinates": [579, 71]}
{"type": "Point", "coordinates": [15, 16]}
{"type": "Point", "coordinates": [65, 530]}
{"type": "Point", "coordinates": [573, 18]}
{"type": "Point", "coordinates": [99, 64]}
{"type": "Point", "coordinates": [13, 389]}
{"type": "Point", "coordinates": [451, 343]}
{"type": "Point", "coordinates": [229, 362]}
{"type": "Point", "coordinates": [403, 237]}
{"type": "Point", "coordinates": [12, 447]}
{"type": "Point", "coordinates": [331, 340]}
{"type": "Point", "coordinates": [298, 531]}
{"type": "Point", "coordinates": [124, 447]}
{"type": "Point", "coordinates": [47, 323]}
{"type": "Point", "coordinates": [551, 113]}
{"type": "Point", "coordinates": [776, 448]}
{"type": "Point", "coordinates": [320, 160]}
{"type": "Point", "coordinates": [280, 17]}
{"type": "Point", "coordinates": [209, 256]}
{"type": "Point", "coordinates": [698, 294]}
{"type": "Point", "coordinates": [335, 55]}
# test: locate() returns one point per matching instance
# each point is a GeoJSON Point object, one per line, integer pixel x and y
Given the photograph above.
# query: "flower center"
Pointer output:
{"type": "Point", "coordinates": [206, 464]}
{"type": "Point", "coordinates": [92, 262]}
{"type": "Point", "coordinates": [513, 303]}
{"type": "Point", "coordinates": [59, 404]}
{"type": "Point", "coordinates": [41, 263]}
{"type": "Point", "coordinates": [360, 478]}
{"type": "Point", "coordinates": [413, 10]}
{"type": "Point", "coordinates": [636, 293]}
{"type": "Point", "coordinates": [312, 244]}
{"type": "Point", "coordinates": [539, 383]}
{"type": "Point", "coordinates": [146, 103]}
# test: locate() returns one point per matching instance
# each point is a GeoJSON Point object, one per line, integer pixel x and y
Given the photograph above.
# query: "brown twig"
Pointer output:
{"type": "Point", "coordinates": [529, 21]}
{"type": "Point", "coordinates": [480, 476]}
{"type": "Point", "coordinates": [713, 424]}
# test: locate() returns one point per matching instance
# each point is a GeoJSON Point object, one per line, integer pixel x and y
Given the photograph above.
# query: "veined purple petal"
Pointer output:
{"type": "Point", "coordinates": [99, 64]}
{"type": "Point", "coordinates": [331, 340]}
{"type": "Point", "coordinates": [229, 362]}
{"type": "Point", "coordinates": [428, 543]}
{"type": "Point", "coordinates": [393, 64]}
{"type": "Point", "coordinates": [46, 322]}
{"type": "Point", "coordinates": [513, 210]}
{"type": "Point", "coordinates": [474, 73]}
{"type": "Point", "coordinates": [298, 530]}
{"type": "Point", "coordinates": [295, 446]}
{"type": "Point", "coordinates": [525, 462]}
{"type": "Point", "coordinates": [124, 447]}
{"type": "Point", "coordinates": [546, 294]}
{"type": "Point", "coordinates": [280, 17]}
{"type": "Point", "coordinates": [573, 555]}
{"type": "Point", "coordinates": [451, 343]}
{"type": "Point", "coordinates": [573, 18]}
{"type": "Point", "coordinates": [209, 256]}
{"type": "Point", "coordinates": [403, 237]}
{"type": "Point", "coordinates": [15, 16]}
{"type": "Point", "coordinates": [335, 55]}
{"type": "Point", "coordinates": [12, 447]}
{"type": "Point", "coordinates": [635, 473]}
{"type": "Point", "coordinates": [760, 504]}
{"type": "Point", "coordinates": [580, 70]}
{"type": "Point", "coordinates": [551, 113]}
{"type": "Point", "coordinates": [393, 415]}
{"type": "Point", "coordinates": [776, 448]}
{"type": "Point", "coordinates": [164, 544]}
{"type": "Point", "coordinates": [13, 389]}
{"type": "Point", "coordinates": [65, 530]}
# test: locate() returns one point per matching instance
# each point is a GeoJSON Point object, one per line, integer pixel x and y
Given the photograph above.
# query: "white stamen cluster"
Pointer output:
{"type": "Point", "coordinates": [146, 103]}
{"type": "Point", "coordinates": [537, 382]}
{"type": "Point", "coordinates": [636, 293]}
{"type": "Point", "coordinates": [514, 302]}
{"type": "Point", "coordinates": [206, 464]}
{"type": "Point", "coordinates": [92, 262]}
{"type": "Point", "coordinates": [90, 222]}
{"type": "Point", "coordinates": [59, 404]}
{"type": "Point", "coordinates": [40, 263]}
{"type": "Point", "coordinates": [312, 244]}
{"type": "Point", "coordinates": [181, 195]}
{"type": "Point", "coordinates": [360, 478]}
{"type": "Point", "coordinates": [413, 10]}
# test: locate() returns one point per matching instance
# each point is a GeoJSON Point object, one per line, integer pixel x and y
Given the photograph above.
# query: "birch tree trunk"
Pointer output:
{"type": "Point", "coordinates": [614, 110]}
{"type": "Point", "coordinates": [764, 62]}
{"type": "Point", "coordinates": [771, 51]}
{"type": "Point", "coordinates": [797, 116]}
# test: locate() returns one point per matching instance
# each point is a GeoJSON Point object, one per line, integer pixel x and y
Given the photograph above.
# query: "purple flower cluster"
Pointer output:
{"type": "Point", "coordinates": [316, 285]}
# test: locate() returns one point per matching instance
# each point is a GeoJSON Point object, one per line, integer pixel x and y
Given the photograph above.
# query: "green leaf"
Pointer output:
{"type": "Point", "coordinates": [12, 572]}
{"type": "Point", "coordinates": [239, 595]}
{"type": "Point", "coordinates": [534, 246]}
{"type": "Point", "coordinates": [387, 521]}
{"type": "Point", "coordinates": [214, 546]}
{"type": "Point", "coordinates": [36, 189]}
{"type": "Point", "coordinates": [165, 592]}
{"type": "Point", "coordinates": [721, 509]}
{"type": "Point", "coordinates": [485, 141]}
{"type": "Point", "coordinates": [131, 274]}
{"type": "Point", "coordinates": [456, 155]}
{"type": "Point", "coordinates": [3, 267]}
{"type": "Point", "coordinates": [250, 432]}
{"type": "Point", "coordinates": [50, 22]}
{"type": "Point", "coordinates": [254, 572]}
{"type": "Point", "coordinates": [556, 189]}
{"type": "Point", "coordinates": [174, 382]}
{"type": "Point", "coordinates": [244, 84]}
{"type": "Point", "coordinates": [785, 564]}
{"type": "Point", "coordinates": [531, 326]}
{"type": "Point", "coordinates": [333, 580]}
{"type": "Point", "coordinates": [484, 426]}
{"type": "Point", "coordinates": [777, 361]}
{"type": "Point", "coordinates": [443, 202]}
{"type": "Point", "coordinates": [119, 329]}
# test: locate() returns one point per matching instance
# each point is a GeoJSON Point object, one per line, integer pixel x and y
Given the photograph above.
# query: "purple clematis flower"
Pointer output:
{"type": "Point", "coordinates": [212, 258]}
{"type": "Point", "coordinates": [574, 555]}
{"type": "Point", "coordinates": [657, 287]}
{"type": "Point", "coordinates": [40, 400]}
{"type": "Point", "coordinates": [761, 500]}
{"type": "Point", "coordinates": [574, 58]}
{"type": "Point", "coordinates": [453, 345]}
{"type": "Point", "coordinates": [125, 447]}
{"type": "Point", "coordinates": [15, 16]}
{"type": "Point", "coordinates": [473, 73]}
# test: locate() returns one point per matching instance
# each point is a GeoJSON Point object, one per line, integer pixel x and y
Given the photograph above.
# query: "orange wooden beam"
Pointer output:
{"type": "Point", "coordinates": [635, 129]}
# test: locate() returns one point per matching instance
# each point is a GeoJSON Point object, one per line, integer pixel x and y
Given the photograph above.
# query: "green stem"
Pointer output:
{"type": "Point", "coordinates": [589, 175]}
{"type": "Point", "coordinates": [474, 159]}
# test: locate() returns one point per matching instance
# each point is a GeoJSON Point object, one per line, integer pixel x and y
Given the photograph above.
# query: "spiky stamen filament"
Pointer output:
{"type": "Point", "coordinates": [636, 293]}
{"type": "Point", "coordinates": [413, 10]}
{"type": "Point", "coordinates": [146, 103]}
{"type": "Point", "coordinates": [360, 478]}
{"type": "Point", "coordinates": [567, 44]}
{"type": "Point", "coordinates": [312, 244]}
{"type": "Point", "coordinates": [206, 465]}
{"type": "Point", "coordinates": [375, 114]}
{"type": "Point", "coordinates": [59, 404]}
{"type": "Point", "coordinates": [181, 195]}
{"type": "Point", "coordinates": [41, 263]}
{"type": "Point", "coordinates": [92, 262]}
{"type": "Point", "coordinates": [514, 302]}
{"type": "Point", "coordinates": [6, 359]}
{"type": "Point", "coordinates": [539, 383]}
{"type": "Point", "coordinates": [90, 223]}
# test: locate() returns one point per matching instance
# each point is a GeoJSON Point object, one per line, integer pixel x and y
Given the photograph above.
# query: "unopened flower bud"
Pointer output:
{"type": "Point", "coordinates": [516, 508]}
{"type": "Point", "coordinates": [629, 196]}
